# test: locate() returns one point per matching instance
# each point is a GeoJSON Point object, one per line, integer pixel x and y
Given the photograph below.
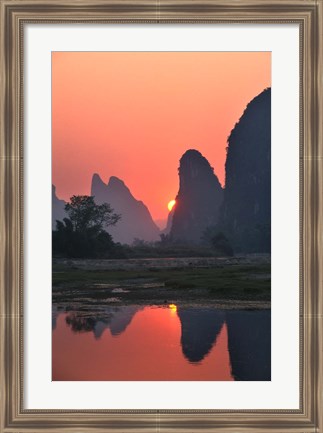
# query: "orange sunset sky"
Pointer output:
{"type": "Point", "coordinates": [133, 115]}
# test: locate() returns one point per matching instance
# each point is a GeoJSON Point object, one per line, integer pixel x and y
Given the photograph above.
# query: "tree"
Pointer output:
{"type": "Point", "coordinates": [218, 241]}
{"type": "Point", "coordinates": [83, 234]}
{"type": "Point", "coordinates": [221, 245]}
{"type": "Point", "coordinates": [84, 213]}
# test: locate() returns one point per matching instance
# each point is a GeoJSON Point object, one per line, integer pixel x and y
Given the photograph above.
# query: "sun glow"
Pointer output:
{"type": "Point", "coordinates": [173, 308]}
{"type": "Point", "coordinates": [171, 204]}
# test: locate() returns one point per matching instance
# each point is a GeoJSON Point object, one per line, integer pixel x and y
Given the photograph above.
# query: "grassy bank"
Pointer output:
{"type": "Point", "coordinates": [235, 282]}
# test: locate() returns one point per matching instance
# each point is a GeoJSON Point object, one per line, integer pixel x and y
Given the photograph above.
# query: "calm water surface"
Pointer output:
{"type": "Point", "coordinates": [171, 342]}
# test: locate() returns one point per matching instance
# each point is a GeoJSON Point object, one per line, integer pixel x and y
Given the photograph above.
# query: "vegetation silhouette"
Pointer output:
{"type": "Point", "coordinates": [218, 241]}
{"type": "Point", "coordinates": [83, 234]}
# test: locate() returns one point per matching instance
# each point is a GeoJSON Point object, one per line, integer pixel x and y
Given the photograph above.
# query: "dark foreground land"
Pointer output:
{"type": "Point", "coordinates": [238, 282]}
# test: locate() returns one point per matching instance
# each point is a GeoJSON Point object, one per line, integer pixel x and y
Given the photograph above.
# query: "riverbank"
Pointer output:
{"type": "Point", "coordinates": [60, 264]}
{"type": "Point", "coordinates": [238, 282]}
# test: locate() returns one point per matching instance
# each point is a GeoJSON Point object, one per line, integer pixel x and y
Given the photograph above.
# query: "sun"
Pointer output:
{"type": "Point", "coordinates": [172, 307]}
{"type": "Point", "coordinates": [171, 204]}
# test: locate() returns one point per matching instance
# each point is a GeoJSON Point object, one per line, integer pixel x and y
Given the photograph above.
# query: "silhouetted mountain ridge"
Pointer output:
{"type": "Point", "coordinates": [246, 211]}
{"type": "Point", "coordinates": [198, 200]}
{"type": "Point", "coordinates": [136, 221]}
{"type": "Point", "coordinates": [58, 208]}
{"type": "Point", "coordinates": [241, 211]}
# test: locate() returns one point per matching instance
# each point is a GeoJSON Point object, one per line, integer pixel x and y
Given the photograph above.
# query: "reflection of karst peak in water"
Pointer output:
{"type": "Point", "coordinates": [249, 335]}
{"type": "Point", "coordinates": [249, 339]}
{"type": "Point", "coordinates": [249, 332]}
{"type": "Point", "coordinates": [122, 318]}
{"type": "Point", "coordinates": [200, 328]}
{"type": "Point", "coordinates": [117, 319]}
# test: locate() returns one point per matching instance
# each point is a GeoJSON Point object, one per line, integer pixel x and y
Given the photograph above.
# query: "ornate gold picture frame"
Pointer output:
{"type": "Point", "coordinates": [15, 14]}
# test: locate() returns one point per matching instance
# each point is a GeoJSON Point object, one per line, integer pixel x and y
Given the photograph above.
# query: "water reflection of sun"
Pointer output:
{"type": "Point", "coordinates": [172, 307]}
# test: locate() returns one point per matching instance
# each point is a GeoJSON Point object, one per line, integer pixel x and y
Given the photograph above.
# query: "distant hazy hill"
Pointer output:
{"type": "Point", "coordinates": [198, 200]}
{"type": "Point", "coordinates": [246, 211]}
{"type": "Point", "coordinates": [58, 212]}
{"type": "Point", "coordinates": [169, 222]}
{"type": "Point", "coordinates": [136, 221]}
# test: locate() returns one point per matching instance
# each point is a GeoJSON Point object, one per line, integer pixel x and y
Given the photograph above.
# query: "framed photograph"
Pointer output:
{"type": "Point", "coordinates": [161, 216]}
